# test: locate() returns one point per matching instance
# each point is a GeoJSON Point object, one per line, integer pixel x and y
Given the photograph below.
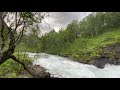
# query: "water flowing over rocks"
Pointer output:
{"type": "Point", "coordinates": [60, 67]}
{"type": "Point", "coordinates": [106, 66]}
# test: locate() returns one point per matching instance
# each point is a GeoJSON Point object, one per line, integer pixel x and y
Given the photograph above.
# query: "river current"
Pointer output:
{"type": "Point", "coordinates": [65, 68]}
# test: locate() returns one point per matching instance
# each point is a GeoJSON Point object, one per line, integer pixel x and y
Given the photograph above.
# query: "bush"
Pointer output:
{"type": "Point", "coordinates": [12, 75]}
{"type": "Point", "coordinates": [10, 68]}
{"type": "Point", "coordinates": [90, 48]}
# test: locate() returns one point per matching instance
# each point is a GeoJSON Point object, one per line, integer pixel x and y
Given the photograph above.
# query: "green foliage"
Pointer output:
{"type": "Point", "coordinates": [83, 40]}
{"type": "Point", "coordinates": [29, 43]}
{"type": "Point", "coordinates": [32, 17]}
{"type": "Point", "coordinates": [80, 40]}
{"type": "Point", "coordinates": [12, 75]}
{"type": "Point", "coordinates": [12, 69]}
{"type": "Point", "coordinates": [89, 48]}
{"type": "Point", "coordinates": [83, 48]}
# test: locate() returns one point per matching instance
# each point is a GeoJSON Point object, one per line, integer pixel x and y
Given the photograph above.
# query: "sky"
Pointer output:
{"type": "Point", "coordinates": [57, 20]}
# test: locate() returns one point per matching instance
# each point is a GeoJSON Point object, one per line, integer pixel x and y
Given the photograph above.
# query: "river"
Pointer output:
{"type": "Point", "coordinates": [65, 68]}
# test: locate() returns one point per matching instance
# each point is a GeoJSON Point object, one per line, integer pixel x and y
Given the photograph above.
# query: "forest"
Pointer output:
{"type": "Point", "coordinates": [81, 41]}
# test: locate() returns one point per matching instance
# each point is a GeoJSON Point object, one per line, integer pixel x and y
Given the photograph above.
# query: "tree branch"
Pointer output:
{"type": "Point", "coordinates": [8, 53]}
{"type": "Point", "coordinates": [31, 71]}
{"type": "Point", "coordinates": [2, 35]}
{"type": "Point", "coordinates": [11, 48]}
{"type": "Point", "coordinates": [17, 60]}
{"type": "Point", "coordinates": [20, 36]}
{"type": "Point", "coordinates": [17, 23]}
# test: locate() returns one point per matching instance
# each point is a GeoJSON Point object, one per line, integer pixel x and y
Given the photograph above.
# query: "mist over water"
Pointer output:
{"type": "Point", "coordinates": [65, 68]}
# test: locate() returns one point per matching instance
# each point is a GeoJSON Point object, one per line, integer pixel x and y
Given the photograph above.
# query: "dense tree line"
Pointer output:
{"type": "Point", "coordinates": [91, 26]}
{"type": "Point", "coordinates": [58, 42]}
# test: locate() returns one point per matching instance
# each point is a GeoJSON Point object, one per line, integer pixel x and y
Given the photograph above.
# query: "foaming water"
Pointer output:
{"type": "Point", "coordinates": [65, 68]}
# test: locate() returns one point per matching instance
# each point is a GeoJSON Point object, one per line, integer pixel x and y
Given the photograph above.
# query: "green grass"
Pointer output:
{"type": "Point", "coordinates": [90, 48]}
{"type": "Point", "coordinates": [24, 48]}
{"type": "Point", "coordinates": [12, 69]}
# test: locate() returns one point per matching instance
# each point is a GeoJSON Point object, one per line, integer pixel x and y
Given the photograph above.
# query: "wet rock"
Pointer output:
{"type": "Point", "coordinates": [100, 63]}
{"type": "Point", "coordinates": [39, 72]}
{"type": "Point", "coordinates": [110, 54]}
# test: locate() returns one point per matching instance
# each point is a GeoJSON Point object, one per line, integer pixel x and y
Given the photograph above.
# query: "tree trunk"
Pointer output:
{"type": "Point", "coordinates": [36, 71]}
{"type": "Point", "coordinates": [5, 55]}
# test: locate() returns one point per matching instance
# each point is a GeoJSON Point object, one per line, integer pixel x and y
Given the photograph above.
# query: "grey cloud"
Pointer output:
{"type": "Point", "coordinates": [61, 19]}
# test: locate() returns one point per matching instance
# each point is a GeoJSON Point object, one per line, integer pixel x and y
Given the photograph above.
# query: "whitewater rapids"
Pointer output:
{"type": "Point", "coordinates": [64, 68]}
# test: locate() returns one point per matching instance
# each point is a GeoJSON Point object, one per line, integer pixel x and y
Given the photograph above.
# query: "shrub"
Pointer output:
{"type": "Point", "coordinates": [10, 68]}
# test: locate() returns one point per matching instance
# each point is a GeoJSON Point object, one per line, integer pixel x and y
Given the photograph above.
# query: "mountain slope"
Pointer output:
{"type": "Point", "coordinates": [90, 48]}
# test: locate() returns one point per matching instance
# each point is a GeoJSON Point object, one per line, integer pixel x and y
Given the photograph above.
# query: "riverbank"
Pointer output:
{"type": "Point", "coordinates": [98, 51]}
{"type": "Point", "coordinates": [109, 55]}
{"type": "Point", "coordinates": [95, 50]}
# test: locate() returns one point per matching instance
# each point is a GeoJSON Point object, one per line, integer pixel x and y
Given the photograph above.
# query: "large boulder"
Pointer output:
{"type": "Point", "coordinates": [100, 62]}
{"type": "Point", "coordinates": [39, 72]}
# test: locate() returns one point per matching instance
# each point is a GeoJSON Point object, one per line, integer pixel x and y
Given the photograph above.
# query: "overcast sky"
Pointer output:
{"type": "Point", "coordinates": [57, 20]}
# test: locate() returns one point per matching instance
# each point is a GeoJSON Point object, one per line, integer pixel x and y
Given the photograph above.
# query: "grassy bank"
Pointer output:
{"type": "Point", "coordinates": [90, 48]}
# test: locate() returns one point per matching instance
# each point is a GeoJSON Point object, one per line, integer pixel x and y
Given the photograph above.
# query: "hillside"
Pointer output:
{"type": "Point", "coordinates": [90, 48]}
{"type": "Point", "coordinates": [83, 41]}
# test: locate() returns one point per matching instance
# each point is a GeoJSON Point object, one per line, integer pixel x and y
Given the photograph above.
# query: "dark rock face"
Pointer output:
{"type": "Point", "coordinates": [100, 63]}
{"type": "Point", "coordinates": [110, 55]}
